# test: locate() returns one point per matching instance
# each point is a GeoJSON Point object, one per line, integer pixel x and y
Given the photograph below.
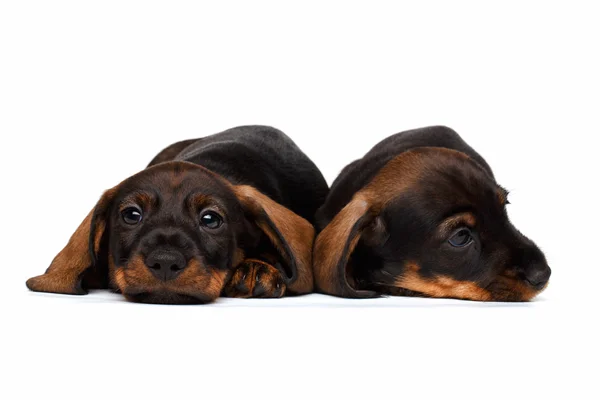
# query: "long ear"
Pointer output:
{"type": "Point", "coordinates": [333, 248]}
{"type": "Point", "coordinates": [290, 234]}
{"type": "Point", "coordinates": [68, 269]}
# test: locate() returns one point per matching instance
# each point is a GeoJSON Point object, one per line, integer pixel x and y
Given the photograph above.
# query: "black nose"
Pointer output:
{"type": "Point", "coordinates": [165, 264]}
{"type": "Point", "coordinates": [537, 275]}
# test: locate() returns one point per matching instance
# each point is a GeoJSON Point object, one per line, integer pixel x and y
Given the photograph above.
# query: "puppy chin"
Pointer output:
{"type": "Point", "coordinates": [140, 287]}
{"type": "Point", "coordinates": [510, 289]}
{"type": "Point", "coordinates": [166, 297]}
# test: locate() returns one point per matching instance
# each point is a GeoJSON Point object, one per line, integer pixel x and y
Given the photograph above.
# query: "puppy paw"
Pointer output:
{"type": "Point", "coordinates": [255, 278]}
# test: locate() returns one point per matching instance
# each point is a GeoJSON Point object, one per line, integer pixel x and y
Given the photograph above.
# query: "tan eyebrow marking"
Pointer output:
{"type": "Point", "coordinates": [455, 221]}
{"type": "Point", "coordinates": [144, 199]}
{"type": "Point", "coordinates": [199, 200]}
{"type": "Point", "coordinates": [196, 202]}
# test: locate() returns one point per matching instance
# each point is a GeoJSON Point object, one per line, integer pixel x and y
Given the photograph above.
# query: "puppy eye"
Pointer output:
{"type": "Point", "coordinates": [211, 220]}
{"type": "Point", "coordinates": [131, 215]}
{"type": "Point", "coordinates": [461, 238]}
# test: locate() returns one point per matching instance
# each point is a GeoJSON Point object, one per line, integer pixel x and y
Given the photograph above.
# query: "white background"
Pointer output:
{"type": "Point", "coordinates": [90, 91]}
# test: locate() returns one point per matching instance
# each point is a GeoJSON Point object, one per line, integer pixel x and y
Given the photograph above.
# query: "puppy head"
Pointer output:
{"type": "Point", "coordinates": [432, 222]}
{"type": "Point", "coordinates": [173, 232]}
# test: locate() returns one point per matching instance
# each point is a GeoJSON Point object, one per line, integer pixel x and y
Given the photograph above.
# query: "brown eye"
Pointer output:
{"type": "Point", "coordinates": [211, 220]}
{"type": "Point", "coordinates": [131, 215]}
{"type": "Point", "coordinates": [461, 238]}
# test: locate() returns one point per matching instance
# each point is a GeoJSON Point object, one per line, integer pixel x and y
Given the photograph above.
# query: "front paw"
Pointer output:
{"type": "Point", "coordinates": [255, 278]}
{"type": "Point", "coordinates": [54, 283]}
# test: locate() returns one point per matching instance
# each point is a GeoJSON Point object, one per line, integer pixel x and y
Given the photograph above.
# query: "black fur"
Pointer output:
{"type": "Point", "coordinates": [404, 236]}
{"type": "Point", "coordinates": [262, 157]}
{"type": "Point", "coordinates": [360, 172]}
{"type": "Point", "coordinates": [252, 182]}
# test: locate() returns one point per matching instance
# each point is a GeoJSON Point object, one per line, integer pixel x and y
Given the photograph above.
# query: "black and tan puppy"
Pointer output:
{"type": "Point", "coordinates": [421, 214]}
{"type": "Point", "coordinates": [227, 214]}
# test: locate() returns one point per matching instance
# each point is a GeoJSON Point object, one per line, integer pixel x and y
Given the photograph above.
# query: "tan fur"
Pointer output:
{"type": "Point", "coordinates": [459, 220]}
{"type": "Point", "coordinates": [143, 199]}
{"type": "Point", "coordinates": [507, 287]}
{"type": "Point", "coordinates": [238, 257]}
{"type": "Point", "coordinates": [65, 272]}
{"type": "Point", "coordinates": [330, 243]}
{"type": "Point", "coordinates": [244, 280]}
{"type": "Point", "coordinates": [440, 286]}
{"type": "Point", "coordinates": [194, 279]}
{"type": "Point", "coordinates": [398, 175]}
{"type": "Point", "coordinates": [297, 232]}
{"type": "Point", "coordinates": [501, 194]}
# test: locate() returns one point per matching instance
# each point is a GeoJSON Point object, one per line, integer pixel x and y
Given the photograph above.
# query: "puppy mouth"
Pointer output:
{"type": "Point", "coordinates": [140, 287]}
{"type": "Point", "coordinates": [539, 287]}
{"type": "Point", "coordinates": [501, 289]}
{"type": "Point", "coordinates": [510, 289]}
{"type": "Point", "coordinates": [166, 297]}
{"type": "Point", "coordinates": [164, 294]}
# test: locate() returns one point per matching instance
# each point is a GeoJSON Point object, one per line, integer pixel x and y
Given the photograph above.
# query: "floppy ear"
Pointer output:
{"type": "Point", "coordinates": [291, 235]}
{"type": "Point", "coordinates": [69, 268]}
{"type": "Point", "coordinates": [335, 244]}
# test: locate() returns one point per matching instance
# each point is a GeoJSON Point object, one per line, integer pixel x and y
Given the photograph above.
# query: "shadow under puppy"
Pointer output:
{"type": "Point", "coordinates": [228, 214]}
{"type": "Point", "coordinates": [422, 215]}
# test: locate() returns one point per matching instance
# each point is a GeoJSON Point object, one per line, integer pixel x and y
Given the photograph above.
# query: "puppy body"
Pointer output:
{"type": "Point", "coordinates": [226, 214]}
{"type": "Point", "coordinates": [421, 214]}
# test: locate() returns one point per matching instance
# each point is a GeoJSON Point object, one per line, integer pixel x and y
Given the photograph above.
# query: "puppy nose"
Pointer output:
{"type": "Point", "coordinates": [165, 264]}
{"type": "Point", "coordinates": [537, 275]}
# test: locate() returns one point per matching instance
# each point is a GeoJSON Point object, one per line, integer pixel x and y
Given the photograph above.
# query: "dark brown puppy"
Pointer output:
{"type": "Point", "coordinates": [227, 214]}
{"type": "Point", "coordinates": [421, 214]}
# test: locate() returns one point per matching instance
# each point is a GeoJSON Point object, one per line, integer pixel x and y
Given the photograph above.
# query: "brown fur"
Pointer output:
{"type": "Point", "coordinates": [440, 286]}
{"type": "Point", "coordinates": [330, 245]}
{"type": "Point", "coordinates": [66, 270]}
{"type": "Point", "coordinates": [193, 279]}
{"type": "Point", "coordinates": [507, 288]}
{"type": "Point", "coordinates": [255, 278]}
{"type": "Point", "coordinates": [285, 230]}
{"type": "Point", "coordinates": [219, 200]}
{"type": "Point", "coordinates": [502, 196]}
{"type": "Point", "coordinates": [297, 232]}
{"type": "Point", "coordinates": [462, 219]}
{"type": "Point", "coordinates": [331, 249]}
{"type": "Point", "coordinates": [410, 176]}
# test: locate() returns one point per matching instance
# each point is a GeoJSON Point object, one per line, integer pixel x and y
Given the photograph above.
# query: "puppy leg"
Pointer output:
{"type": "Point", "coordinates": [256, 279]}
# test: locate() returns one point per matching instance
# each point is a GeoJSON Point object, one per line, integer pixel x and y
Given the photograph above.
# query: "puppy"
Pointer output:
{"type": "Point", "coordinates": [422, 215]}
{"type": "Point", "coordinates": [226, 214]}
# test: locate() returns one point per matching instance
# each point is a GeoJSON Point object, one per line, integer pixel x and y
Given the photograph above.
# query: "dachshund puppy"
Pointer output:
{"type": "Point", "coordinates": [422, 215]}
{"type": "Point", "coordinates": [229, 214]}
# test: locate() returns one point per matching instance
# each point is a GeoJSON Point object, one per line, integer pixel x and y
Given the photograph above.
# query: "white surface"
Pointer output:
{"type": "Point", "coordinates": [89, 92]}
